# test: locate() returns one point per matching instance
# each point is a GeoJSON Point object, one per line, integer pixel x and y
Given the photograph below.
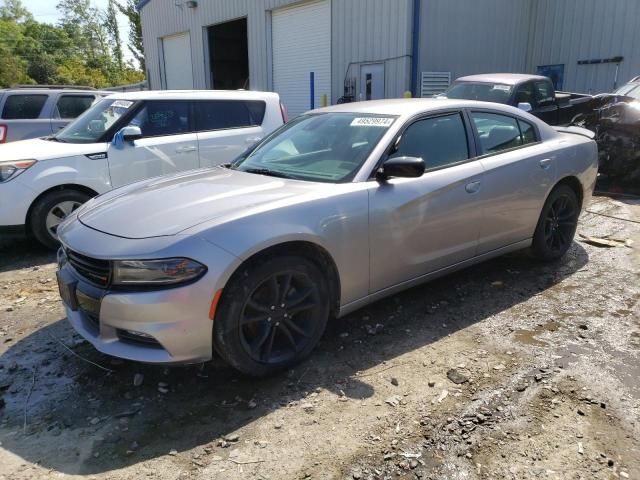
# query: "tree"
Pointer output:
{"type": "Point", "coordinates": [111, 24]}
{"type": "Point", "coordinates": [85, 48]}
{"type": "Point", "coordinates": [15, 10]}
{"type": "Point", "coordinates": [82, 23]}
{"type": "Point", "coordinates": [136, 45]}
{"type": "Point", "coordinates": [12, 67]}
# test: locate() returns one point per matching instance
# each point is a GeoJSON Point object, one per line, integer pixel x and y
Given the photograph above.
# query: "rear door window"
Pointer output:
{"type": "Point", "coordinates": [527, 132]}
{"type": "Point", "coordinates": [160, 118]}
{"type": "Point", "coordinates": [21, 107]}
{"type": "Point", "coordinates": [440, 141]}
{"type": "Point", "coordinates": [496, 132]}
{"type": "Point", "coordinates": [222, 114]}
{"type": "Point", "coordinates": [71, 106]}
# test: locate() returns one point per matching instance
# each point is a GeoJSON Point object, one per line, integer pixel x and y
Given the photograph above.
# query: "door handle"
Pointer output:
{"type": "Point", "coordinates": [545, 163]}
{"type": "Point", "coordinates": [186, 149]}
{"type": "Point", "coordinates": [473, 187]}
{"type": "Point", "coordinates": [252, 140]}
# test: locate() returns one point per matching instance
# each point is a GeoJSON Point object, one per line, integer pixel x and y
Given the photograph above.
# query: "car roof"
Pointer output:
{"type": "Point", "coordinates": [44, 90]}
{"type": "Point", "coordinates": [505, 78]}
{"type": "Point", "coordinates": [409, 106]}
{"type": "Point", "coordinates": [195, 95]}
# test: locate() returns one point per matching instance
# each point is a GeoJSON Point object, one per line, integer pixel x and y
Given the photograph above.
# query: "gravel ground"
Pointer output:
{"type": "Point", "coordinates": [509, 369]}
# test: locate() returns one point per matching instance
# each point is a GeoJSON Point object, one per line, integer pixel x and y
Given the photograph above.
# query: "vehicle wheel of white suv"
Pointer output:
{"type": "Point", "coordinates": [271, 315]}
{"type": "Point", "coordinates": [50, 210]}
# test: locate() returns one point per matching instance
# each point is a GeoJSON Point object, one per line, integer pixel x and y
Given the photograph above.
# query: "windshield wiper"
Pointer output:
{"type": "Point", "coordinates": [53, 138]}
{"type": "Point", "coordinates": [266, 171]}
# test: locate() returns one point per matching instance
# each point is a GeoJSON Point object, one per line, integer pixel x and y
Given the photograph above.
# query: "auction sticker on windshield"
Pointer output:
{"type": "Point", "coordinates": [122, 103]}
{"type": "Point", "coordinates": [372, 122]}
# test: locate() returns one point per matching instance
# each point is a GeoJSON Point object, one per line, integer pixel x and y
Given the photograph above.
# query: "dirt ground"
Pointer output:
{"type": "Point", "coordinates": [507, 370]}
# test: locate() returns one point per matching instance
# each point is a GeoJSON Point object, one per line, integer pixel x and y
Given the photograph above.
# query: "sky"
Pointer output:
{"type": "Point", "coordinates": [45, 11]}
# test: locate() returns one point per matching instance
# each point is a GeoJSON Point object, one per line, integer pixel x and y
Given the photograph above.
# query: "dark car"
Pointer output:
{"type": "Point", "coordinates": [615, 119]}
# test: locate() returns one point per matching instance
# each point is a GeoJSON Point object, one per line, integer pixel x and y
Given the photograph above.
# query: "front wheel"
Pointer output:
{"type": "Point", "coordinates": [271, 315]}
{"type": "Point", "coordinates": [557, 224]}
{"type": "Point", "coordinates": [49, 212]}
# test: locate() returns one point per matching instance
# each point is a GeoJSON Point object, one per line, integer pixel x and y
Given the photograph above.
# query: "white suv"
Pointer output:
{"type": "Point", "coordinates": [124, 138]}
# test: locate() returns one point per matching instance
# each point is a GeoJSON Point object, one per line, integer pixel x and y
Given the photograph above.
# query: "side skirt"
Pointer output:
{"type": "Point", "coordinates": [355, 305]}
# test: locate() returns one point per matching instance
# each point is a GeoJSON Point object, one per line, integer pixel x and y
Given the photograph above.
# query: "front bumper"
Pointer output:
{"type": "Point", "coordinates": [166, 325]}
{"type": "Point", "coordinates": [15, 200]}
{"type": "Point", "coordinates": [163, 326]}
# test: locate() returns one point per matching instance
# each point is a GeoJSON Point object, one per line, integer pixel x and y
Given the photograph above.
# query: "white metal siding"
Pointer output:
{"type": "Point", "coordinates": [470, 36]}
{"type": "Point", "coordinates": [178, 70]}
{"type": "Point", "coordinates": [564, 32]}
{"type": "Point", "coordinates": [301, 40]}
{"type": "Point", "coordinates": [362, 31]}
{"type": "Point", "coordinates": [372, 31]}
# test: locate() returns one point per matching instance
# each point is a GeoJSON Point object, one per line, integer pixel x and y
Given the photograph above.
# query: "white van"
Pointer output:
{"type": "Point", "coordinates": [124, 138]}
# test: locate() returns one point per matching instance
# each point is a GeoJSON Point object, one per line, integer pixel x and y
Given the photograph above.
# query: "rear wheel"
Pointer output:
{"type": "Point", "coordinates": [272, 315]}
{"type": "Point", "coordinates": [557, 224]}
{"type": "Point", "coordinates": [50, 211]}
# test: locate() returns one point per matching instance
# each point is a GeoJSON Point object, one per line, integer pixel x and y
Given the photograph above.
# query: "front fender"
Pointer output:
{"type": "Point", "coordinates": [339, 224]}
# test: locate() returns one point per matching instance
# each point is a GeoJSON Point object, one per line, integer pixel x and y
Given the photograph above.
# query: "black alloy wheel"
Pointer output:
{"type": "Point", "coordinates": [277, 318]}
{"type": "Point", "coordinates": [557, 224]}
{"type": "Point", "coordinates": [560, 224]}
{"type": "Point", "coordinates": [272, 314]}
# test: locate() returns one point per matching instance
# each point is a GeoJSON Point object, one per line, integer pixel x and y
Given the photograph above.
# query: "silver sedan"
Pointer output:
{"type": "Point", "coordinates": [340, 207]}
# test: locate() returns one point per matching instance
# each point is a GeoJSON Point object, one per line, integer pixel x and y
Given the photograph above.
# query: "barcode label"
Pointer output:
{"type": "Point", "coordinates": [372, 122]}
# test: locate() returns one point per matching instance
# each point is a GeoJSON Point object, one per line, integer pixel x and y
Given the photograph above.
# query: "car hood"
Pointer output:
{"type": "Point", "coordinates": [169, 205]}
{"type": "Point", "coordinates": [40, 149]}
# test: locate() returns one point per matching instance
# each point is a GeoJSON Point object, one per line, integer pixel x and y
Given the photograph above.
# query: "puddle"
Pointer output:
{"type": "Point", "coordinates": [528, 337]}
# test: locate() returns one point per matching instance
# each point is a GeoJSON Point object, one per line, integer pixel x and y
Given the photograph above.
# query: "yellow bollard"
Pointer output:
{"type": "Point", "coordinates": [407, 94]}
{"type": "Point", "coordinates": [324, 100]}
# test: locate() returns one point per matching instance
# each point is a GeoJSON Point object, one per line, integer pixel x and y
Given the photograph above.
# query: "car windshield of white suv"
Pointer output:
{"type": "Point", "coordinates": [92, 124]}
{"type": "Point", "coordinates": [483, 92]}
{"type": "Point", "coordinates": [326, 147]}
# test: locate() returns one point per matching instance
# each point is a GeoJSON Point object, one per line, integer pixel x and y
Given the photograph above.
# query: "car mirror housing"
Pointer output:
{"type": "Point", "coordinates": [525, 106]}
{"type": "Point", "coordinates": [402, 167]}
{"type": "Point", "coordinates": [131, 133]}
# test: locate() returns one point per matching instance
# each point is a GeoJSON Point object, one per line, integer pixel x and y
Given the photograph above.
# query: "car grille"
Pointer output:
{"type": "Point", "coordinates": [95, 271]}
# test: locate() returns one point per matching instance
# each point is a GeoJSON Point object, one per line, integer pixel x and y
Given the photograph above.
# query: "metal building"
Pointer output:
{"type": "Point", "coordinates": [361, 49]}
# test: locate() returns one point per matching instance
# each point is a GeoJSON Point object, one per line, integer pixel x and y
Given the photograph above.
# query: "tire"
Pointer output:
{"type": "Point", "coordinates": [252, 331]}
{"type": "Point", "coordinates": [557, 225]}
{"type": "Point", "coordinates": [51, 208]}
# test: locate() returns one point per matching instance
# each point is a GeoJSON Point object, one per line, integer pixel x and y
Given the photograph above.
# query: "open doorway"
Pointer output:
{"type": "Point", "coordinates": [229, 55]}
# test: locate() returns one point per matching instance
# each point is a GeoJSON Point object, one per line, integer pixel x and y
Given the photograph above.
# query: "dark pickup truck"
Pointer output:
{"type": "Point", "coordinates": [532, 93]}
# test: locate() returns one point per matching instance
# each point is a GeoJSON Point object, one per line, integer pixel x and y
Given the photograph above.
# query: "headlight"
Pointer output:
{"type": "Point", "coordinates": [168, 271]}
{"type": "Point", "coordinates": [9, 170]}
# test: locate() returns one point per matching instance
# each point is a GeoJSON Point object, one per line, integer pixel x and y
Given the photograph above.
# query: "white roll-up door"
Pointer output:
{"type": "Point", "coordinates": [178, 71]}
{"type": "Point", "coordinates": [301, 39]}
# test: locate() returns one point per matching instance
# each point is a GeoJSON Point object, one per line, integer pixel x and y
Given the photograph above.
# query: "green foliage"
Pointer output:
{"type": "Point", "coordinates": [136, 46]}
{"type": "Point", "coordinates": [85, 48]}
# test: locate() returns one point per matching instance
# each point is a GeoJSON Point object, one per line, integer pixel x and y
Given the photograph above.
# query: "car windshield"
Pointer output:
{"type": "Point", "coordinates": [630, 90]}
{"type": "Point", "coordinates": [484, 92]}
{"type": "Point", "coordinates": [325, 147]}
{"type": "Point", "coordinates": [92, 124]}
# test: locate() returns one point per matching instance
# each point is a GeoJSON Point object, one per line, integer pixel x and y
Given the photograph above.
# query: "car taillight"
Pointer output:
{"type": "Point", "coordinates": [3, 133]}
{"type": "Point", "coordinates": [283, 111]}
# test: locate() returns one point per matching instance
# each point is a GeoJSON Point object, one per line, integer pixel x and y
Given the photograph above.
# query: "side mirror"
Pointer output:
{"type": "Point", "coordinates": [402, 167]}
{"type": "Point", "coordinates": [131, 133]}
{"type": "Point", "coordinates": [525, 106]}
